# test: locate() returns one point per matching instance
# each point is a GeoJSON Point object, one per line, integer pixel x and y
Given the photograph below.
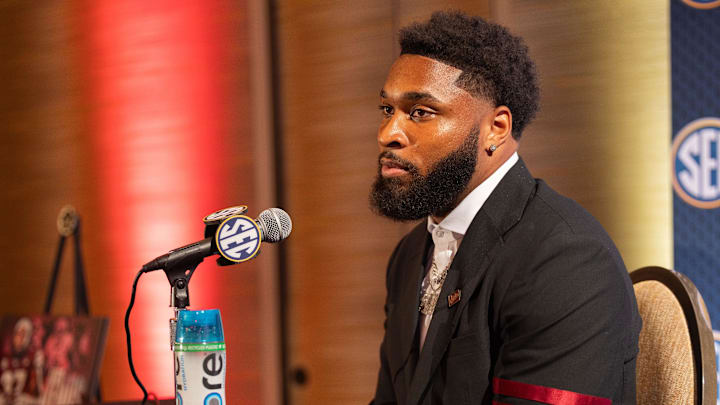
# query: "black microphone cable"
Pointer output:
{"type": "Point", "coordinates": [127, 335]}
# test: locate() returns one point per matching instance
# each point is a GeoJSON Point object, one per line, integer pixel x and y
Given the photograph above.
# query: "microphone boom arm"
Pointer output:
{"type": "Point", "coordinates": [179, 266]}
{"type": "Point", "coordinates": [239, 237]}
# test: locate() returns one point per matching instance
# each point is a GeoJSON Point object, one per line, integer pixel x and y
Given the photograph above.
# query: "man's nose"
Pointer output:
{"type": "Point", "coordinates": [392, 134]}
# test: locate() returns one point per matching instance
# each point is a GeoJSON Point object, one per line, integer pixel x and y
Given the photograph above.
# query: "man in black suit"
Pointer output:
{"type": "Point", "coordinates": [507, 292]}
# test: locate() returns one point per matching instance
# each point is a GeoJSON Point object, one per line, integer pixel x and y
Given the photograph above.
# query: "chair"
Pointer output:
{"type": "Point", "coordinates": [676, 362]}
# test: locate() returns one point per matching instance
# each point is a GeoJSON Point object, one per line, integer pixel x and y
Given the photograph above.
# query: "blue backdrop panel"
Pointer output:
{"type": "Point", "coordinates": [695, 53]}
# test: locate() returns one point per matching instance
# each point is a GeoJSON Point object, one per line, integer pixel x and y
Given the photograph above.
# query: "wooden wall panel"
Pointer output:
{"type": "Point", "coordinates": [334, 57]}
{"type": "Point", "coordinates": [260, 113]}
{"type": "Point", "coordinates": [409, 11]}
{"type": "Point", "coordinates": [602, 136]}
{"type": "Point", "coordinates": [41, 131]}
{"type": "Point", "coordinates": [333, 60]}
{"type": "Point", "coordinates": [55, 116]}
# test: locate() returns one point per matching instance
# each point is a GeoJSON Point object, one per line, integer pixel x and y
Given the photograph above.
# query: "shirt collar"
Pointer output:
{"type": "Point", "coordinates": [459, 219]}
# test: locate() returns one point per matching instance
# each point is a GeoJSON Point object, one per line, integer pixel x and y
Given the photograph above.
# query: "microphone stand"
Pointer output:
{"type": "Point", "coordinates": [179, 266]}
{"type": "Point", "coordinates": [179, 277]}
{"type": "Point", "coordinates": [178, 273]}
{"type": "Point", "coordinates": [179, 270]}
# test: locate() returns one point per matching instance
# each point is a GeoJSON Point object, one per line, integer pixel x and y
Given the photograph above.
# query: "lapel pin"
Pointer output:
{"type": "Point", "coordinates": [454, 298]}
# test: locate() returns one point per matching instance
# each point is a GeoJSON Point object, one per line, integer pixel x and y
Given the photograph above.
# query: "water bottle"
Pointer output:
{"type": "Point", "coordinates": [200, 363]}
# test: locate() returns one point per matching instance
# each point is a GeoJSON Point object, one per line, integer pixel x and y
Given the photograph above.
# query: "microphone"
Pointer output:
{"type": "Point", "coordinates": [235, 237]}
{"type": "Point", "coordinates": [275, 224]}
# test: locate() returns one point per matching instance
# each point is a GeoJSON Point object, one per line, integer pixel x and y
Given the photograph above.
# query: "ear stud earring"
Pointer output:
{"type": "Point", "coordinates": [493, 148]}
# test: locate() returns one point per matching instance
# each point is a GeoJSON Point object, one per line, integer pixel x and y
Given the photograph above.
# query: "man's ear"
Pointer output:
{"type": "Point", "coordinates": [500, 128]}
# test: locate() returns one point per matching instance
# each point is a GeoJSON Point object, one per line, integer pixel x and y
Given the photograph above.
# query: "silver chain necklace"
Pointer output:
{"type": "Point", "coordinates": [431, 291]}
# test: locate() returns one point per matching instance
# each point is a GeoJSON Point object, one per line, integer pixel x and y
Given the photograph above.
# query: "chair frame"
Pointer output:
{"type": "Point", "coordinates": [698, 323]}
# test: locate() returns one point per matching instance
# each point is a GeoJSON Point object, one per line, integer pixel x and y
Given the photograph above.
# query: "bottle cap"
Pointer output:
{"type": "Point", "coordinates": [203, 326]}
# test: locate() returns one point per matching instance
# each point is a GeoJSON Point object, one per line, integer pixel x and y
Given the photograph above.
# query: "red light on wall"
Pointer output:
{"type": "Point", "coordinates": [158, 108]}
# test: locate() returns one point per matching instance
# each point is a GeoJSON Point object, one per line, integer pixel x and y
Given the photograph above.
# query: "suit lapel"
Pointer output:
{"type": "Point", "coordinates": [501, 211]}
{"type": "Point", "coordinates": [405, 311]}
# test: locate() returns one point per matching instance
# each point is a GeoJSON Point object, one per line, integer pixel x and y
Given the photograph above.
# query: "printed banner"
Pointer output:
{"type": "Point", "coordinates": [50, 359]}
{"type": "Point", "coordinates": [695, 64]}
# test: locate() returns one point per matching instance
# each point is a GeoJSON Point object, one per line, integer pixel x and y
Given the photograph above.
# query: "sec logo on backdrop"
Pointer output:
{"type": "Point", "coordinates": [238, 238]}
{"type": "Point", "coordinates": [696, 163]}
{"type": "Point", "coordinates": [704, 4]}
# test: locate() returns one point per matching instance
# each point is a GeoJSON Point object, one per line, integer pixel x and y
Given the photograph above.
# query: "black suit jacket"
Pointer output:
{"type": "Point", "coordinates": [545, 300]}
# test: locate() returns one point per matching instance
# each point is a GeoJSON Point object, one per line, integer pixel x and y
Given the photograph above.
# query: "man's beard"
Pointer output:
{"type": "Point", "coordinates": [434, 194]}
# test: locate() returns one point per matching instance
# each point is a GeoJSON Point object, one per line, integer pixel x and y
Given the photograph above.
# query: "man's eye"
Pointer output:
{"type": "Point", "coordinates": [420, 114]}
{"type": "Point", "coordinates": [386, 109]}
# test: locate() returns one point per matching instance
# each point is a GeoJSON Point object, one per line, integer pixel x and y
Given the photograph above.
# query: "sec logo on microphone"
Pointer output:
{"type": "Point", "coordinates": [696, 163]}
{"type": "Point", "coordinates": [238, 238]}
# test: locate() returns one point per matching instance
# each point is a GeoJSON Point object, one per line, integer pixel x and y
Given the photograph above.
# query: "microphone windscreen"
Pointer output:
{"type": "Point", "coordinates": [275, 224]}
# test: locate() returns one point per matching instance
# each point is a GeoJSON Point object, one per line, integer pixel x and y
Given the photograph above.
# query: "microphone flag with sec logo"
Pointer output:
{"type": "Point", "coordinates": [234, 236]}
{"type": "Point", "coordinates": [238, 238]}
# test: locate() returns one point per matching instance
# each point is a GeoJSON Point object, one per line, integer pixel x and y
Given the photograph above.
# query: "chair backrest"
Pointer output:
{"type": "Point", "coordinates": [676, 362]}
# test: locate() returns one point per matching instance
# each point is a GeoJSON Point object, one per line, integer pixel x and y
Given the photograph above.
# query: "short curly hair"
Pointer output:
{"type": "Point", "coordinates": [495, 63]}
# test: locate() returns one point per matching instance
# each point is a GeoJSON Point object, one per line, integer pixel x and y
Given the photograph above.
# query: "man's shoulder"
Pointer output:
{"type": "Point", "coordinates": [553, 214]}
{"type": "Point", "coordinates": [561, 241]}
{"type": "Point", "coordinates": [554, 228]}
